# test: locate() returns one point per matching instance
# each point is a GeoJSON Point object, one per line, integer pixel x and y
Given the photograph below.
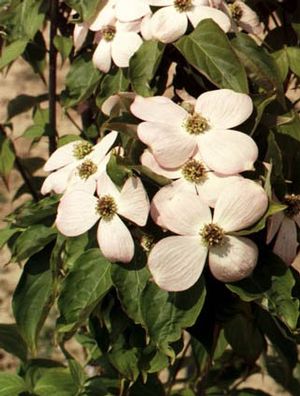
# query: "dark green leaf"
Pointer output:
{"type": "Point", "coordinates": [117, 172]}
{"type": "Point", "coordinates": [23, 103]}
{"type": "Point", "coordinates": [282, 63]}
{"type": "Point", "coordinates": [6, 233]}
{"type": "Point", "coordinates": [166, 314]}
{"type": "Point", "coordinates": [292, 128]}
{"type": "Point", "coordinates": [143, 66]}
{"type": "Point", "coordinates": [33, 297]}
{"type": "Point", "coordinates": [114, 82]}
{"type": "Point", "coordinates": [274, 281]}
{"type": "Point", "coordinates": [260, 66]}
{"type": "Point", "coordinates": [81, 81]}
{"type": "Point", "coordinates": [84, 287]}
{"type": "Point", "coordinates": [152, 387]}
{"type": "Point", "coordinates": [208, 49]}
{"type": "Point", "coordinates": [12, 342]}
{"type": "Point", "coordinates": [86, 8]}
{"type": "Point", "coordinates": [11, 385]}
{"type": "Point", "coordinates": [32, 240]}
{"type": "Point", "coordinates": [101, 386]}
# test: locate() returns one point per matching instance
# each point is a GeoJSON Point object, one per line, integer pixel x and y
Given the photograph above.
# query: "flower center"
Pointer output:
{"type": "Point", "coordinates": [86, 169]}
{"type": "Point", "coordinates": [106, 207]}
{"type": "Point", "coordinates": [82, 149]}
{"type": "Point", "coordinates": [108, 32]}
{"type": "Point", "coordinates": [212, 235]}
{"type": "Point", "coordinates": [194, 171]}
{"type": "Point", "coordinates": [293, 205]}
{"type": "Point", "coordinates": [182, 5]}
{"type": "Point", "coordinates": [196, 124]}
{"type": "Point", "coordinates": [236, 11]}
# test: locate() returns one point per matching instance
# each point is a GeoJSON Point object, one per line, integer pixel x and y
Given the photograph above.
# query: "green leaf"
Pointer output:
{"type": "Point", "coordinates": [23, 103]}
{"type": "Point", "coordinates": [281, 59]}
{"type": "Point", "coordinates": [7, 155]}
{"type": "Point", "coordinates": [274, 156]}
{"type": "Point", "coordinates": [32, 212]}
{"type": "Point", "coordinates": [6, 233]}
{"type": "Point", "coordinates": [33, 297]}
{"type": "Point", "coordinates": [64, 46]}
{"type": "Point", "coordinates": [32, 240]}
{"type": "Point", "coordinates": [244, 336]}
{"type": "Point", "coordinates": [12, 342]}
{"type": "Point", "coordinates": [86, 284]}
{"type": "Point", "coordinates": [81, 81]}
{"type": "Point", "coordinates": [208, 49]}
{"type": "Point", "coordinates": [55, 381]}
{"type": "Point", "coordinates": [11, 385]}
{"type": "Point", "coordinates": [143, 66]}
{"type": "Point", "coordinates": [31, 15]}
{"type": "Point", "coordinates": [101, 386]}
{"type": "Point", "coordinates": [293, 54]}
{"type": "Point", "coordinates": [273, 281]}
{"type": "Point", "coordinates": [166, 314]}
{"type": "Point", "coordinates": [12, 52]}
{"type": "Point", "coordinates": [125, 361]}
{"type": "Point", "coordinates": [261, 102]}
{"type": "Point", "coordinates": [260, 66]}
{"type": "Point", "coordinates": [86, 8]}
{"type": "Point", "coordinates": [114, 82]}
{"type": "Point", "coordinates": [130, 282]}
{"type": "Point", "coordinates": [117, 172]}
{"type": "Point", "coordinates": [291, 128]}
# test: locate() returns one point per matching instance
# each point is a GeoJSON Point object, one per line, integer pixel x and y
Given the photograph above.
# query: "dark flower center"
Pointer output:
{"type": "Point", "coordinates": [86, 169]}
{"type": "Point", "coordinates": [212, 235]}
{"type": "Point", "coordinates": [106, 207]}
{"type": "Point", "coordinates": [82, 149]}
{"type": "Point", "coordinates": [196, 124]}
{"type": "Point", "coordinates": [194, 171]}
{"type": "Point", "coordinates": [293, 205]}
{"type": "Point", "coordinates": [108, 32]}
{"type": "Point", "coordinates": [182, 5]}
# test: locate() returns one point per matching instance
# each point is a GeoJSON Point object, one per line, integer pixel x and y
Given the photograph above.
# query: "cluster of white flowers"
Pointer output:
{"type": "Point", "coordinates": [121, 27]}
{"type": "Point", "coordinates": [202, 156]}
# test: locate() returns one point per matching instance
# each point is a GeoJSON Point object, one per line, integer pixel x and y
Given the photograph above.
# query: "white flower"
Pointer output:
{"type": "Point", "coordinates": [174, 134]}
{"type": "Point", "coordinates": [79, 210]}
{"type": "Point", "coordinates": [77, 165]}
{"type": "Point", "coordinates": [118, 42]}
{"type": "Point", "coordinates": [171, 21]}
{"type": "Point", "coordinates": [176, 262]}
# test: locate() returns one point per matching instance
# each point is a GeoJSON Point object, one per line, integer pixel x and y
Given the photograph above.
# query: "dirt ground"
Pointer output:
{"type": "Point", "coordinates": [21, 80]}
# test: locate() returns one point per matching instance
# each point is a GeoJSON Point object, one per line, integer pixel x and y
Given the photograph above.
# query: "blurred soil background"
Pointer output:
{"type": "Point", "coordinates": [21, 80]}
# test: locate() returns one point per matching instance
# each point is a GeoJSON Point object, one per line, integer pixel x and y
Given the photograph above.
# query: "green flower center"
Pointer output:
{"type": "Point", "coordinates": [108, 33]}
{"type": "Point", "coordinates": [86, 169]}
{"type": "Point", "coordinates": [196, 124]}
{"type": "Point", "coordinates": [194, 171]}
{"type": "Point", "coordinates": [293, 205]}
{"type": "Point", "coordinates": [106, 207]}
{"type": "Point", "coordinates": [212, 235]}
{"type": "Point", "coordinates": [182, 5]}
{"type": "Point", "coordinates": [82, 149]}
{"type": "Point", "coordinates": [236, 11]}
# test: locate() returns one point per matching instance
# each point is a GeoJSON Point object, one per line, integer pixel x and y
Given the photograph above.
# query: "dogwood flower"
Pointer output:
{"type": "Point", "coordinates": [79, 210]}
{"type": "Point", "coordinates": [77, 165]}
{"type": "Point", "coordinates": [176, 262]}
{"type": "Point", "coordinates": [171, 21]}
{"type": "Point", "coordinates": [193, 176]}
{"type": "Point", "coordinates": [245, 17]}
{"type": "Point", "coordinates": [118, 42]}
{"type": "Point", "coordinates": [129, 12]}
{"type": "Point", "coordinates": [174, 134]}
{"type": "Point", "coordinates": [79, 34]}
{"type": "Point", "coordinates": [283, 225]}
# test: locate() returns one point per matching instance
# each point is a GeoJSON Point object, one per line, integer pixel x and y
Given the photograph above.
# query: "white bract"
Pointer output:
{"type": "Point", "coordinates": [174, 134]}
{"type": "Point", "coordinates": [77, 165]}
{"type": "Point", "coordinates": [79, 210]}
{"type": "Point", "coordinates": [171, 21]}
{"type": "Point", "coordinates": [176, 262]}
